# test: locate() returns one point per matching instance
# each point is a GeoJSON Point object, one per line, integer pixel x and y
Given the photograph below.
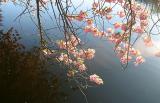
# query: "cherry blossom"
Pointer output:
{"type": "Point", "coordinates": [121, 14]}
{"type": "Point", "coordinates": [139, 60]}
{"type": "Point", "coordinates": [81, 16]}
{"type": "Point", "coordinates": [89, 54]}
{"type": "Point", "coordinates": [125, 59]}
{"type": "Point", "coordinates": [147, 41]}
{"type": "Point", "coordinates": [96, 79]}
{"type": "Point", "coordinates": [65, 58]}
{"type": "Point", "coordinates": [118, 33]}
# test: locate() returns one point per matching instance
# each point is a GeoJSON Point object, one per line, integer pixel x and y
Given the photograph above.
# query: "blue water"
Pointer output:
{"type": "Point", "coordinates": [139, 84]}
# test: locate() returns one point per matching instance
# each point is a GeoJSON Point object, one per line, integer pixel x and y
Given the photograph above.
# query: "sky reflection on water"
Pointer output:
{"type": "Point", "coordinates": [135, 85]}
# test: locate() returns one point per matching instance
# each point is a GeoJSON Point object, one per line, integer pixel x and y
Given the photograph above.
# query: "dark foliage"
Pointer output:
{"type": "Point", "coordinates": [22, 74]}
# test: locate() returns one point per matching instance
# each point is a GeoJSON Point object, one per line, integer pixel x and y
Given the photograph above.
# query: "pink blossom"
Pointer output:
{"type": "Point", "coordinates": [147, 41]}
{"type": "Point", "coordinates": [143, 15]}
{"type": "Point", "coordinates": [121, 14]}
{"type": "Point", "coordinates": [139, 60]}
{"type": "Point", "coordinates": [80, 65]}
{"type": "Point", "coordinates": [125, 59]}
{"type": "Point", "coordinates": [138, 29]}
{"type": "Point", "coordinates": [95, 31]}
{"type": "Point", "coordinates": [61, 44]}
{"type": "Point", "coordinates": [64, 58]}
{"type": "Point", "coordinates": [74, 40]}
{"type": "Point", "coordinates": [120, 52]}
{"type": "Point", "coordinates": [134, 51]}
{"type": "Point", "coordinates": [89, 54]}
{"type": "Point", "coordinates": [124, 27]}
{"type": "Point", "coordinates": [143, 23]}
{"type": "Point", "coordinates": [81, 16]}
{"type": "Point", "coordinates": [126, 46]}
{"type": "Point", "coordinates": [96, 79]}
{"type": "Point", "coordinates": [79, 54]}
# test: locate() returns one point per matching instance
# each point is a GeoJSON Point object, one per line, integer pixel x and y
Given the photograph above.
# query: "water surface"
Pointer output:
{"type": "Point", "coordinates": [134, 85]}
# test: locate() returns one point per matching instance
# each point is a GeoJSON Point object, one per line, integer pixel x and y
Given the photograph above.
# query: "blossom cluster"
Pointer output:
{"type": "Point", "coordinates": [120, 33]}
{"type": "Point", "coordinates": [132, 21]}
{"type": "Point", "coordinates": [95, 78]}
{"type": "Point", "coordinates": [76, 57]}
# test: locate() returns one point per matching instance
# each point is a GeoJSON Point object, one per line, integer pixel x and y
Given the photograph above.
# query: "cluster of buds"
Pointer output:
{"type": "Point", "coordinates": [127, 53]}
{"type": "Point", "coordinates": [95, 78]}
{"type": "Point", "coordinates": [76, 57]}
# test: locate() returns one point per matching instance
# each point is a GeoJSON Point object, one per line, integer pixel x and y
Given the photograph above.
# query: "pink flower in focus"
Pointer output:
{"type": "Point", "coordinates": [139, 60]}
{"type": "Point", "coordinates": [80, 65]}
{"type": "Point", "coordinates": [96, 79]}
{"type": "Point", "coordinates": [89, 54]}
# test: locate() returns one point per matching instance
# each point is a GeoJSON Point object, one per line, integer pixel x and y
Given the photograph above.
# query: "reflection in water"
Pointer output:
{"type": "Point", "coordinates": [23, 78]}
